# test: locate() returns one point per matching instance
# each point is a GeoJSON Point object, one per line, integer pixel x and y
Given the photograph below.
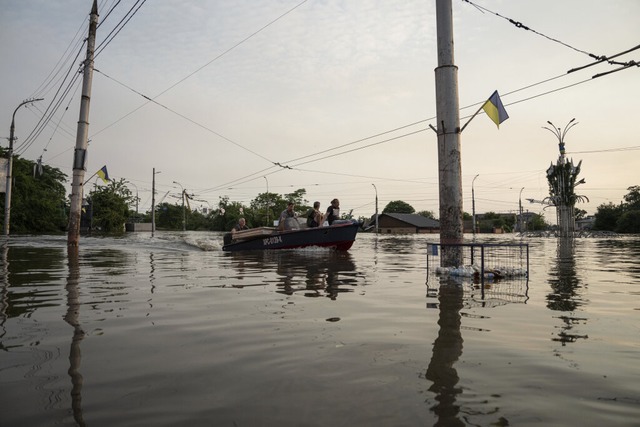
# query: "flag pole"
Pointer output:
{"type": "Point", "coordinates": [474, 114]}
{"type": "Point", "coordinates": [96, 173]}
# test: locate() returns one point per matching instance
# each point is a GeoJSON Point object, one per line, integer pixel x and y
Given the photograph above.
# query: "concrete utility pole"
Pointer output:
{"type": "Point", "coordinates": [473, 204]}
{"type": "Point", "coordinates": [265, 178]}
{"type": "Point", "coordinates": [448, 129]}
{"type": "Point", "coordinates": [374, 186]}
{"type": "Point", "coordinates": [153, 202]}
{"type": "Point", "coordinates": [80, 153]}
{"type": "Point", "coordinates": [520, 226]}
{"type": "Point", "coordinates": [7, 194]}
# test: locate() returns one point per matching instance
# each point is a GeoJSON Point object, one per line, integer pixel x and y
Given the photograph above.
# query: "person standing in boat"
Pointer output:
{"type": "Point", "coordinates": [285, 222]}
{"type": "Point", "coordinates": [333, 211]}
{"type": "Point", "coordinates": [314, 216]}
{"type": "Point", "coordinates": [241, 225]}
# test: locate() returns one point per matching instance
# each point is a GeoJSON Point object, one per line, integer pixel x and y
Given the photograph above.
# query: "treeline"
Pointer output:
{"type": "Point", "coordinates": [622, 218]}
{"type": "Point", "coordinates": [40, 204]}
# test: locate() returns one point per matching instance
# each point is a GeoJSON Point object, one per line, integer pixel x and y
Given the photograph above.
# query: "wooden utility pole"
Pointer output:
{"type": "Point", "coordinates": [448, 130]}
{"type": "Point", "coordinates": [80, 153]}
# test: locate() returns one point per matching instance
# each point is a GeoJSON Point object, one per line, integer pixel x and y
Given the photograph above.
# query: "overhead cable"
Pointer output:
{"type": "Point", "coordinates": [524, 27]}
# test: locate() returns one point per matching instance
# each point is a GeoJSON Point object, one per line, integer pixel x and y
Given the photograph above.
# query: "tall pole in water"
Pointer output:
{"type": "Point", "coordinates": [520, 226]}
{"type": "Point", "coordinates": [7, 195]}
{"type": "Point", "coordinates": [448, 130]}
{"type": "Point", "coordinates": [153, 202]}
{"type": "Point", "coordinates": [265, 178]}
{"type": "Point", "coordinates": [473, 204]}
{"type": "Point", "coordinates": [374, 186]}
{"type": "Point", "coordinates": [80, 153]}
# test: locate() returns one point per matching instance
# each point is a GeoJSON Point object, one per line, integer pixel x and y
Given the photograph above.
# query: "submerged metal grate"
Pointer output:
{"type": "Point", "coordinates": [491, 274]}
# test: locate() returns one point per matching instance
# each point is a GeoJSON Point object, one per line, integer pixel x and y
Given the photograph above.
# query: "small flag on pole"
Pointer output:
{"type": "Point", "coordinates": [495, 110]}
{"type": "Point", "coordinates": [102, 173]}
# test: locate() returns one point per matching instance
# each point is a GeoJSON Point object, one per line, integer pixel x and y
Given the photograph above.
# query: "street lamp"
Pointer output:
{"type": "Point", "coordinates": [374, 186]}
{"type": "Point", "coordinates": [153, 202]}
{"type": "Point", "coordinates": [473, 205]}
{"type": "Point", "coordinates": [184, 213]}
{"type": "Point", "coordinates": [265, 178]}
{"type": "Point", "coordinates": [7, 195]}
{"type": "Point", "coordinates": [520, 203]}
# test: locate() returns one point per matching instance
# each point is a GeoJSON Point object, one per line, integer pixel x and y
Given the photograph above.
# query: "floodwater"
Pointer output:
{"type": "Point", "coordinates": [171, 331]}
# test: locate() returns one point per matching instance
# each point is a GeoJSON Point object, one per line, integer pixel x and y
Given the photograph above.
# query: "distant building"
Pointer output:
{"type": "Point", "coordinates": [397, 223]}
{"type": "Point", "coordinates": [585, 223]}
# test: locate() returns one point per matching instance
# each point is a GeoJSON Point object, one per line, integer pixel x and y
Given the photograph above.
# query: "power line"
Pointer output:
{"type": "Point", "coordinates": [119, 26]}
{"type": "Point", "coordinates": [609, 150]}
{"type": "Point", "coordinates": [187, 118]}
{"type": "Point", "coordinates": [524, 27]}
{"type": "Point", "coordinates": [205, 65]}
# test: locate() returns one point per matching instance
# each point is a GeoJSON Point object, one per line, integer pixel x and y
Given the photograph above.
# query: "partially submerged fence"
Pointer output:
{"type": "Point", "coordinates": [497, 272]}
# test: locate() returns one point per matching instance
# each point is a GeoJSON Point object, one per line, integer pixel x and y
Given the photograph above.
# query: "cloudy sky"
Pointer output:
{"type": "Point", "coordinates": [341, 93]}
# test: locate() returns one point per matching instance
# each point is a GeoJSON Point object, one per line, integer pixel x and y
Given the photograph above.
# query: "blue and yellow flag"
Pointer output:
{"type": "Point", "coordinates": [495, 110]}
{"type": "Point", "coordinates": [102, 173]}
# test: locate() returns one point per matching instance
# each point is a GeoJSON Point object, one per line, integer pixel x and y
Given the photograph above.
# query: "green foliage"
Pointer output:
{"type": "Point", "coordinates": [632, 199]}
{"type": "Point", "coordinates": [270, 205]}
{"type": "Point", "coordinates": [579, 213]}
{"type": "Point", "coordinates": [169, 217]}
{"type": "Point", "coordinates": [607, 217]}
{"type": "Point", "coordinates": [430, 215]}
{"type": "Point", "coordinates": [38, 204]}
{"type": "Point", "coordinates": [398, 206]}
{"type": "Point", "coordinates": [536, 223]}
{"type": "Point", "coordinates": [562, 183]}
{"type": "Point", "coordinates": [629, 222]}
{"type": "Point", "coordinates": [110, 206]}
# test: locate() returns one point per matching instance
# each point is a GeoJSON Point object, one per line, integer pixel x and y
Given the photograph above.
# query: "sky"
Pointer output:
{"type": "Point", "coordinates": [335, 97]}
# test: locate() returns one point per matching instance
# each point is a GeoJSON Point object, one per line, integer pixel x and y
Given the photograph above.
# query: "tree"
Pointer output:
{"type": "Point", "coordinates": [230, 213]}
{"type": "Point", "coordinates": [579, 213]}
{"type": "Point", "coordinates": [110, 206]}
{"type": "Point", "coordinates": [632, 198]}
{"type": "Point", "coordinates": [629, 222]}
{"type": "Point", "coordinates": [537, 222]}
{"type": "Point", "coordinates": [38, 200]}
{"type": "Point", "coordinates": [607, 217]}
{"type": "Point", "coordinates": [398, 206]}
{"type": "Point", "coordinates": [430, 215]}
{"type": "Point", "coordinates": [169, 217]}
{"type": "Point", "coordinates": [272, 204]}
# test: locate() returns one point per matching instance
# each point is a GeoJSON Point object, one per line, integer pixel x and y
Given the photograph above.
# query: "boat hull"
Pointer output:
{"type": "Point", "coordinates": [340, 237]}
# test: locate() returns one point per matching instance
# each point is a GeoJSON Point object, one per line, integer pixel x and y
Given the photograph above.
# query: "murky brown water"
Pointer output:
{"type": "Point", "coordinates": [171, 331]}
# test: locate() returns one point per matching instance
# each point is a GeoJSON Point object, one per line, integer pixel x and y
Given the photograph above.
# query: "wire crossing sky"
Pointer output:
{"type": "Point", "coordinates": [327, 96]}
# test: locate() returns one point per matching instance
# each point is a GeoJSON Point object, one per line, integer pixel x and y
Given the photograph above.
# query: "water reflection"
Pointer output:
{"type": "Point", "coordinates": [566, 295]}
{"type": "Point", "coordinates": [4, 289]}
{"type": "Point", "coordinates": [32, 277]}
{"type": "Point", "coordinates": [309, 273]}
{"type": "Point", "coordinates": [619, 255]}
{"type": "Point", "coordinates": [447, 349]}
{"type": "Point", "coordinates": [72, 318]}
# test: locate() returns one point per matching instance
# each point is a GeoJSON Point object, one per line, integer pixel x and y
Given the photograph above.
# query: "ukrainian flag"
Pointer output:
{"type": "Point", "coordinates": [102, 173]}
{"type": "Point", "coordinates": [495, 110]}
